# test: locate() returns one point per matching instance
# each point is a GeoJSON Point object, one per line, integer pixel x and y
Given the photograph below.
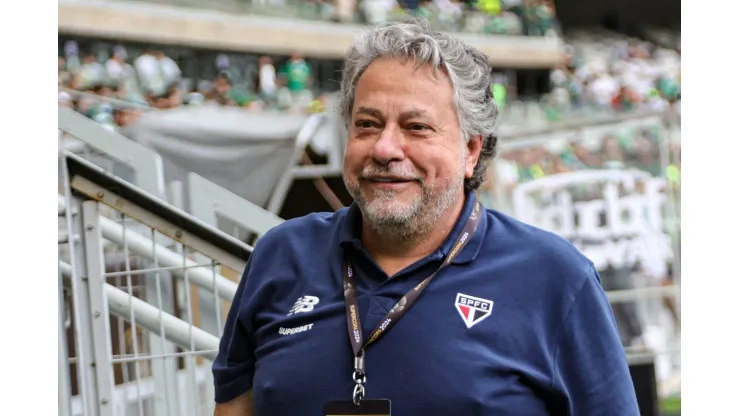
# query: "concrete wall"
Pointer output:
{"type": "Point", "coordinates": [140, 21]}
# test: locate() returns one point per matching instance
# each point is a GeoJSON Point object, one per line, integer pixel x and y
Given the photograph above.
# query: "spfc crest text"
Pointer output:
{"type": "Point", "coordinates": [472, 309]}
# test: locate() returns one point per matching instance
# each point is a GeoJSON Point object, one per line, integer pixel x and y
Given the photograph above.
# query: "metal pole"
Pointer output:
{"type": "Point", "coordinates": [159, 291]}
{"type": "Point", "coordinates": [65, 391]}
{"type": "Point", "coordinates": [100, 325]}
{"type": "Point", "coordinates": [280, 192]}
{"type": "Point", "coordinates": [80, 306]}
{"type": "Point", "coordinates": [671, 204]}
{"type": "Point", "coordinates": [148, 317]}
{"type": "Point", "coordinates": [60, 206]}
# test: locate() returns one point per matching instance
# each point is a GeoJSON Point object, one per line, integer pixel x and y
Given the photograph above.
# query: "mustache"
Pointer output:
{"type": "Point", "coordinates": [397, 171]}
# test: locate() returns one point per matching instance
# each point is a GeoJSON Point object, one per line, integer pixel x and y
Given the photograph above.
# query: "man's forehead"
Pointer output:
{"type": "Point", "coordinates": [406, 72]}
{"type": "Point", "coordinates": [408, 112]}
{"type": "Point", "coordinates": [391, 88]}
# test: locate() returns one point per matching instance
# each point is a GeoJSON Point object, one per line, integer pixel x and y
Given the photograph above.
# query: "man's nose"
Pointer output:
{"type": "Point", "coordinates": [389, 146]}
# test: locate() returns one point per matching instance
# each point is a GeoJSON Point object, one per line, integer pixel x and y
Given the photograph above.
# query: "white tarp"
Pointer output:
{"type": "Point", "coordinates": [243, 152]}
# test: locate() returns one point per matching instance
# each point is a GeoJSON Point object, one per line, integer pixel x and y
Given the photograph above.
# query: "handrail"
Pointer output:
{"type": "Point", "coordinates": [145, 247]}
{"type": "Point", "coordinates": [517, 138]}
{"type": "Point", "coordinates": [118, 103]}
{"type": "Point", "coordinates": [95, 183]}
{"type": "Point", "coordinates": [176, 330]}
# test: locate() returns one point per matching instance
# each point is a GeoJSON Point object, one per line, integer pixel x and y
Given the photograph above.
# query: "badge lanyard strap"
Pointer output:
{"type": "Point", "coordinates": [399, 310]}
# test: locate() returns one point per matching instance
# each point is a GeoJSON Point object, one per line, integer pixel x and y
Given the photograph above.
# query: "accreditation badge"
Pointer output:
{"type": "Point", "coordinates": [366, 407]}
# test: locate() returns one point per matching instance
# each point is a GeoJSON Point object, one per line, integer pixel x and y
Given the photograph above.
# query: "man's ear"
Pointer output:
{"type": "Point", "coordinates": [474, 146]}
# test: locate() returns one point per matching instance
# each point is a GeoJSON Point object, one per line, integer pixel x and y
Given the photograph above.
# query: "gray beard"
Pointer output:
{"type": "Point", "coordinates": [408, 223]}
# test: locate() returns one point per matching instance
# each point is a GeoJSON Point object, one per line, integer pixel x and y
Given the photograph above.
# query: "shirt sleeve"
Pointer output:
{"type": "Point", "coordinates": [233, 368]}
{"type": "Point", "coordinates": [590, 366]}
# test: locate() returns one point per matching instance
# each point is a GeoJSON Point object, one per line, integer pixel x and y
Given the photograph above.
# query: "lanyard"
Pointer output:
{"type": "Point", "coordinates": [399, 310]}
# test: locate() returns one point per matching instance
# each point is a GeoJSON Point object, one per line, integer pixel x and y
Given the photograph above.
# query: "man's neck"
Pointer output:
{"type": "Point", "coordinates": [393, 255]}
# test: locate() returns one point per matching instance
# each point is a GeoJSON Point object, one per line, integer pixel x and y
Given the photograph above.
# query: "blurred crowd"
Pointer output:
{"type": "Point", "coordinates": [607, 71]}
{"type": "Point", "coordinates": [624, 148]}
{"type": "Point", "coordinates": [495, 17]}
{"type": "Point", "coordinates": [114, 89]}
{"type": "Point", "coordinates": [603, 71]}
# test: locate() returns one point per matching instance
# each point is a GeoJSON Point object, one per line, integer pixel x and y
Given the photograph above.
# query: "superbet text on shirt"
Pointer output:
{"type": "Point", "coordinates": [517, 324]}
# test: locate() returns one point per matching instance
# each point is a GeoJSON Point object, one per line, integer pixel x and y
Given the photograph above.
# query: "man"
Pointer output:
{"type": "Point", "coordinates": [151, 79]}
{"type": "Point", "coordinates": [298, 73]}
{"type": "Point", "coordinates": [352, 307]}
{"type": "Point", "coordinates": [266, 81]}
{"type": "Point", "coordinates": [91, 73]}
{"type": "Point", "coordinates": [116, 65]}
{"type": "Point", "coordinates": [168, 68]}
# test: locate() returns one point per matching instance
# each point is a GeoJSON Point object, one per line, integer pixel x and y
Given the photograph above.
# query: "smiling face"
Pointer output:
{"type": "Point", "coordinates": [406, 160]}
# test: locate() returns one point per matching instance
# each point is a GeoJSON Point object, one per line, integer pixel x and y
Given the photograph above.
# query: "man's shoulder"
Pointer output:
{"type": "Point", "coordinates": [312, 230]}
{"type": "Point", "coordinates": [557, 257]}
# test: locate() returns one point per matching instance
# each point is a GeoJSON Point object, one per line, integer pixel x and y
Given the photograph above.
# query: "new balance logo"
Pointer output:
{"type": "Point", "coordinates": [304, 304]}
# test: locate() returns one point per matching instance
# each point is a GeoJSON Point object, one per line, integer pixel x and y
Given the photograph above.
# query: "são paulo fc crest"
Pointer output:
{"type": "Point", "coordinates": [472, 309]}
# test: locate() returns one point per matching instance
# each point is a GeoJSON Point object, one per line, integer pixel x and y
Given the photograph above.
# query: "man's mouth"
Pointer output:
{"type": "Point", "coordinates": [389, 179]}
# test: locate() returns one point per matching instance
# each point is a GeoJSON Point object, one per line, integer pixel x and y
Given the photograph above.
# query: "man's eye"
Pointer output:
{"type": "Point", "coordinates": [364, 124]}
{"type": "Point", "coordinates": [418, 127]}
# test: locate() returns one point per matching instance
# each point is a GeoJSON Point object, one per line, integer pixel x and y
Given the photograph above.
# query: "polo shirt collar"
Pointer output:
{"type": "Point", "coordinates": [351, 228]}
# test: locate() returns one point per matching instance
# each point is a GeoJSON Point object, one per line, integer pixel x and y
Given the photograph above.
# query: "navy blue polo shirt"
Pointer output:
{"type": "Point", "coordinates": [518, 324]}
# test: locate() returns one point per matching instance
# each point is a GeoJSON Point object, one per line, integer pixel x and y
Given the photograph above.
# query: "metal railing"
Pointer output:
{"type": "Point", "coordinates": [144, 289]}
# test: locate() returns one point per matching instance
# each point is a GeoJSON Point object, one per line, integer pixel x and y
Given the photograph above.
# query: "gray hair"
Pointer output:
{"type": "Point", "coordinates": [466, 67]}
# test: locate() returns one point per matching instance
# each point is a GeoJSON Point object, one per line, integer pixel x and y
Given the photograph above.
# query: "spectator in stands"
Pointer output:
{"type": "Point", "coordinates": [64, 77]}
{"type": "Point", "coordinates": [539, 17]}
{"type": "Point", "coordinates": [91, 73]}
{"type": "Point", "coordinates": [151, 79]}
{"type": "Point", "coordinates": [297, 73]}
{"type": "Point", "coordinates": [267, 80]}
{"type": "Point", "coordinates": [560, 166]}
{"type": "Point", "coordinates": [611, 153]}
{"type": "Point", "coordinates": [283, 98]}
{"type": "Point", "coordinates": [161, 102]}
{"type": "Point", "coordinates": [222, 84]}
{"type": "Point", "coordinates": [71, 56]}
{"type": "Point", "coordinates": [65, 99]}
{"type": "Point", "coordinates": [174, 96]}
{"type": "Point", "coordinates": [125, 116]}
{"type": "Point", "coordinates": [168, 67]}
{"type": "Point", "coordinates": [116, 65]}
{"type": "Point", "coordinates": [123, 77]}
{"type": "Point", "coordinates": [646, 157]}
{"type": "Point", "coordinates": [103, 90]}
{"type": "Point", "coordinates": [530, 163]}
{"type": "Point", "coordinates": [449, 13]}
{"type": "Point", "coordinates": [224, 93]}
{"type": "Point", "coordinates": [102, 112]}
{"type": "Point", "coordinates": [654, 101]}
{"type": "Point", "coordinates": [626, 99]}
{"type": "Point", "coordinates": [602, 89]}
{"type": "Point", "coordinates": [514, 6]}
{"type": "Point", "coordinates": [298, 79]}
{"type": "Point", "coordinates": [378, 11]}
{"type": "Point", "coordinates": [585, 158]}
